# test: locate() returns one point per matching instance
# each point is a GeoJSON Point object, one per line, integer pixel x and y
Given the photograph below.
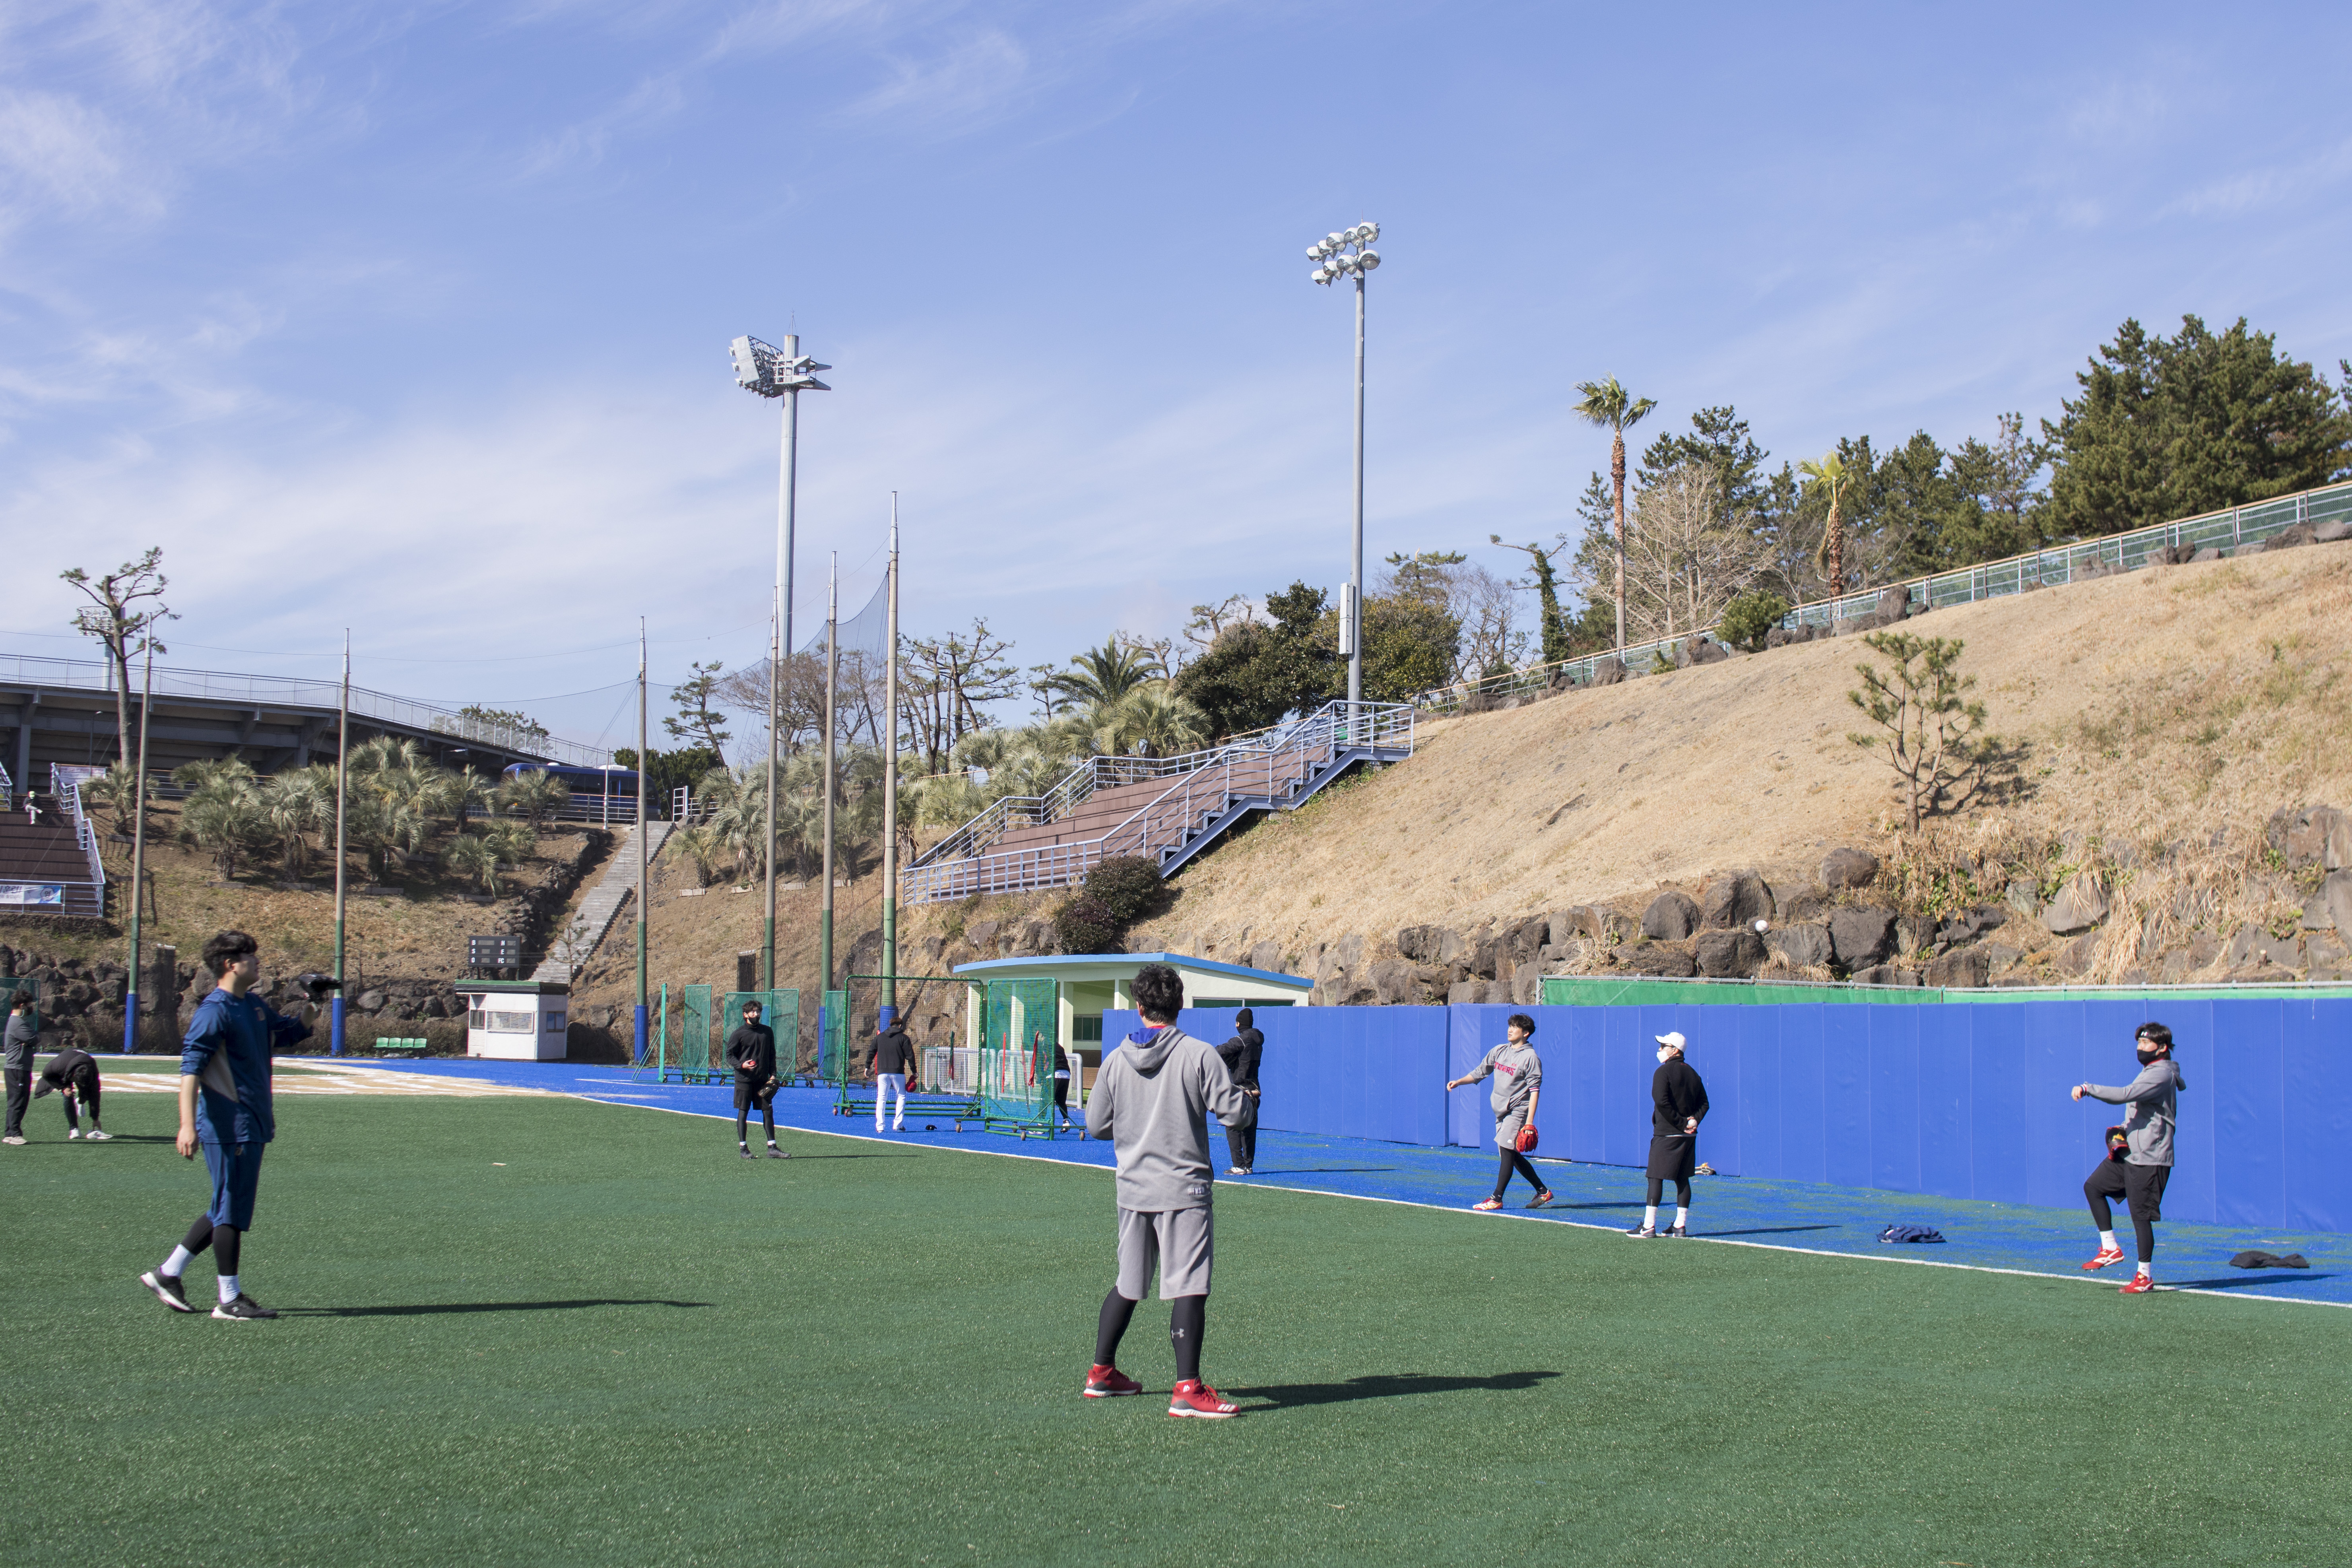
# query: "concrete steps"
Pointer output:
{"type": "Point", "coordinates": [603, 903]}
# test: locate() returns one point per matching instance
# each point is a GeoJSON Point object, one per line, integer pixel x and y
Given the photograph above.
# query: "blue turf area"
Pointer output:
{"type": "Point", "coordinates": [1787, 1215]}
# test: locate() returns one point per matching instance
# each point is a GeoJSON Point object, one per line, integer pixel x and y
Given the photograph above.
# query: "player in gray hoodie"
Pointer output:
{"type": "Point", "coordinates": [2140, 1169]}
{"type": "Point", "coordinates": [1151, 1099]}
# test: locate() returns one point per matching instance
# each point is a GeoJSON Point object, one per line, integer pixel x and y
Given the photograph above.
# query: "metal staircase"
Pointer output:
{"type": "Point", "coordinates": [1164, 809]}
{"type": "Point", "coordinates": [604, 902]}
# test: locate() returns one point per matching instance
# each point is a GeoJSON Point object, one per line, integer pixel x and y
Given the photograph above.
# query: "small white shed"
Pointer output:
{"type": "Point", "coordinates": [516, 1020]}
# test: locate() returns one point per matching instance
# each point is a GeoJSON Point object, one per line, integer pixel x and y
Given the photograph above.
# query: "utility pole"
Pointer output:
{"type": "Point", "coordinates": [138, 855]}
{"type": "Point", "coordinates": [645, 773]}
{"type": "Point", "coordinates": [889, 1009]}
{"type": "Point", "coordinates": [832, 681]}
{"type": "Point", "coordinates": [342, 793]}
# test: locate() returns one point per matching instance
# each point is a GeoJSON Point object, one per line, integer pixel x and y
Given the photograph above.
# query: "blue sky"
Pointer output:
{"type": "Point", "coordinates": [415, 318]}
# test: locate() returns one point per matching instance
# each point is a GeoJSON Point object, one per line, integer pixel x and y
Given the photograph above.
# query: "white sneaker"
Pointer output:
{"type": "Point", "coordinates": [97, 1136]}
{"type": "Point", "coordinates": [72, 1133]}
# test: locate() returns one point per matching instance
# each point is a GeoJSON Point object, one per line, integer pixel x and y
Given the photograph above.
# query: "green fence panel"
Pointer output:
{"type": "Point", "coordinates": [694, 1034]}
{"type": "Point", "coordinates": [780, 1010]}
{"type": "Point", "coordinates": [833, 1053]}
{"type": "Point", "coordinates": [1022, 1021]}
{"type": "Point", "coordinates": [1614, 991]}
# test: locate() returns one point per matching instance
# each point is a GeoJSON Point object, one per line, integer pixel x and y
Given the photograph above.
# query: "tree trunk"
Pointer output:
{"type": "Point", "coordinates": [120, 652]}
{"type": "Point", "coordinates": [1837, 559]}
{"type": "Point", "coordinates": [1617, 478]}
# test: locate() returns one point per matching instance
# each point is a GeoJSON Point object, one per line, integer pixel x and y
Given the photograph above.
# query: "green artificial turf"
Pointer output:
{"type": "Point", "coordinates": [624, 1345]}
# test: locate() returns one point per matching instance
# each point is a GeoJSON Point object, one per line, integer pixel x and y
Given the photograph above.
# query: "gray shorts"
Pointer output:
{"type": "Point", "coordinates": [1181, 1242]}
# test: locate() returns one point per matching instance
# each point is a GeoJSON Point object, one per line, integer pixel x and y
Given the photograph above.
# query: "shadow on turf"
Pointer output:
{"type": "Point", "coordinates": [475, 1307]}
{"type": "Point", "coordinates": [1764, 1230]}
{"type": "Point", "coordinates": [1327, 1171]}
{"type": "Point", "coordinates": [2244, 1282]}
{"type": "Point", "coordinates": [1386, 1385]}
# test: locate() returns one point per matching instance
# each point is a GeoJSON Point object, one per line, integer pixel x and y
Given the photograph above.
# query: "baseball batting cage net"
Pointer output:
{"type": "Point", "coordinates": [1020, 1025]}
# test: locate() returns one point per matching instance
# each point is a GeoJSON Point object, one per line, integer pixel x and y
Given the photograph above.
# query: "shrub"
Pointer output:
{"type": "Point", "coordinates": [1747, 619]}
{"type": "Point", "coordinates": [1085, 924]}
{"type": "Point", "coordinates": [1128, 886]}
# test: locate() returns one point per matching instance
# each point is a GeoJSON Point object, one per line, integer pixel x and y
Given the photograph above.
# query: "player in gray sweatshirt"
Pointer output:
{"type": "Point", "coordinates": [2140, 1168]}
{"type": "Point", "coordinates": [1151, 1099]}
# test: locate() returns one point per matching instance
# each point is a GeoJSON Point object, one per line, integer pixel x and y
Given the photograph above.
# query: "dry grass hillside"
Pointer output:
{"type": "Point", "coordinates": [2161, 721]}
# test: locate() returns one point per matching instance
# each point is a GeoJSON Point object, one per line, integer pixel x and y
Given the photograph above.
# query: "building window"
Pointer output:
{"type": "Point", "coordinates": [556, 1023]}
{"type": "Point", "coordinates": [514, 1022]}
{"type": "Point", "coordinates": [1085, 1029]}
{"type": "Point", "coordinates": [477, 1019]}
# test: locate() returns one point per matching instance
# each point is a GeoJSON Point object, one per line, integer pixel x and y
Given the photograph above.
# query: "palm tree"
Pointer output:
{"type": "Point", "coordinates": [470, 855]}
{"type": "Point", "coordinates": [223, 821]}
{"type": "Point", "coordinates": [1608, 404]}
{"type": "Point", "coordinates": [1829, 474]}
{"type": "Point", "coordinates": [1104, 674]}
{"type": "Point", "coordinates": [293, 802]}
{"type": "Point", "coordinates": [1152, 721]}
{"type": "Point", "coordinates": [533, 795]}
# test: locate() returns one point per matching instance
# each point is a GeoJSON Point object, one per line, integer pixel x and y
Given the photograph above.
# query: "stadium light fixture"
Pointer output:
{"type": "Point", "coordinates": [1349, 253]}
{"type": "Point", "coordinates": [764, 369]}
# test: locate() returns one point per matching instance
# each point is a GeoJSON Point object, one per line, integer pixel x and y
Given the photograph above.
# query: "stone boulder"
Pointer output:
{"type": "Point", "coordinates": [1729, 953]}
{"type": "Point", "coordinates": [1394, 983]}
{"type": "Point", "coordinates": [1848, 868]}
{"type": "Point", "coordinates": [1885, 975]}
{"type": "Point", "coordinates": [2081, 904]}
{"type": "Point", "coordinates": [1859, 936]}
{"type": "Point", "coordinates": [1965, 968]}
{"type": "Point", "coordinates": [1699, 650]}
{"type": "Point", "coordinates": [2332, 531]}
{"type": "Point", "coordinates": [1422, 944]}
{"type": "Point", "coordinates": [1914, 933]}
{"type": "Point", "coordinates": [2208, 554]}
{"type": "Point", "coordinates": [1670, 959]}
{"type": "Point", "coordinates": [1671, 917]}
{"type": "Point", "coordinates": [2320, 836]}
{"type": "Point", "coordinates": [2337, 892]}
{"type": "Point", "coordinates": [1804, 946]}
{"type": "Point", "coordinates": [1735, 899]}
{"type": "Point", "coordinates": [1608, 672]}
{"type": "Point", "coordinates": [1267, 955]}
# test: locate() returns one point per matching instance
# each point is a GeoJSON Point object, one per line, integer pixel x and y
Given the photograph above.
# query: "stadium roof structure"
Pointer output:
{"type": "Point", "coordinates": [1205, 979]}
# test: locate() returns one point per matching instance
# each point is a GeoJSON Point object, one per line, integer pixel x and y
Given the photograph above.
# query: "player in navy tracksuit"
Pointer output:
{"type": "Point", "coordinates": [225, 1109]}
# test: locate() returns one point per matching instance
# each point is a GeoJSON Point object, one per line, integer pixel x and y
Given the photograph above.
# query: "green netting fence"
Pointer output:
{"type": "Point", "coordinates": [687, 1058]}
{"type": "Point", "coordinates": [1021, 1027]}
{"type": "Point", "coordinates": [834, 1063]}
{"type": "Point", "coordinates": [780, 1010]}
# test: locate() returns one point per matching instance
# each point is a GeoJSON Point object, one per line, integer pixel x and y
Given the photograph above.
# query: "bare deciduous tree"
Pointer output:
{"type": "Point", "coordinates": [1685, 560]}
{"type": "Point", "coordinates": [116, 617]}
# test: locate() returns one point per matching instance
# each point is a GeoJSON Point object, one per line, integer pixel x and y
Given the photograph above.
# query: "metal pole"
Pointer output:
{"type": "Point", "coordinates": [138, 855]}
{"type": "Point", "coordinates": [1356, 658]}
{"type": "Point", "coordinates": [781, 632]}
{"type": "Point", "coordinates": [890, 788]}
{"type": "Point", "coordinates": [645, 770]}
{"type": "Point", "coordinates": [342, 792]}
{"type": "Point", "coordinates": [831, 675]}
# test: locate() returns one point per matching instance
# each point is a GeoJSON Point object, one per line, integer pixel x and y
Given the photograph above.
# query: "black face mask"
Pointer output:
{"type": "Point", "coordinates": [2148, 1053]}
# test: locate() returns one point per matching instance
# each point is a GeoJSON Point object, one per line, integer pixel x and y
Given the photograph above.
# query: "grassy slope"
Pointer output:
{"type": "Point", "coordinates": [2156, 708]}
{"type": "Point", "coordinates": [622, 1345]}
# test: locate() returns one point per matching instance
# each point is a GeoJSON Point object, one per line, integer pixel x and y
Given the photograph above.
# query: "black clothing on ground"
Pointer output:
{"type": "Point", "coordinates": [892, 1052]}
{"type": "Point", "coordinates": [2269, 1260]}
{"type": "Point", "coordinates": [1658, 1190]}
{"type": "Point", "coordinates": [1676, 1094]}
{"type": "Point", "coordinates": [1112, 1327]}
{"type": "Point", "coordinates": [753, 1045]}
{"type": "Point", "coordinates": [1242, 1055]}
{"type": "Point", "coordinates": [2142, 1186]}
{"type": "Point", "coordinates": [1513, 1162]}
{"type": "Point", "coordinates": [1187, 1317]}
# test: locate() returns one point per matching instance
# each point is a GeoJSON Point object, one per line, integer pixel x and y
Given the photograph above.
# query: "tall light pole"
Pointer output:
{"type": "Point", "coordinates": [137, 852]}
{"type": "Point", "coordinates": [785, 372]}
{"type": "Point", "coordinates": [342, 799]}
{"type": "Point", "coordinates": [889, 1008]}
{"type": "Point", "coordinates": [1349, 254]}
{"type": "Point", "coordinates": [645, 777]}
{"type": "Point", "coordinates": [832, 686]}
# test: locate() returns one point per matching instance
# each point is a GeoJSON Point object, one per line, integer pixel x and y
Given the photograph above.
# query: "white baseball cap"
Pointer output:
{"type": "Point", "coordinates": [1672, 1037]}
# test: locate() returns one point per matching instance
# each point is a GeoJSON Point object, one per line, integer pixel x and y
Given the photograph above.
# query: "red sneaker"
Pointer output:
{"type": "Point", "coordinates": [2138, 1284]}
{"type": "Point", "coordinates": [1109, 1383]}
{"type": "Point", "coordinates": [1488, 1205]}
{"type": "Point", "coordinates": [2108, 1257]}
{"type": "Point", "coordinates": [1193, 1398]}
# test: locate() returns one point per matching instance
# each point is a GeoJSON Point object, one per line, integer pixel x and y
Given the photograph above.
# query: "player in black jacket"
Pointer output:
{"type": "Point", "coordinates": [751, 1052]}
{"type": "Point", "coordinates": [1242, 1054]}
{"type": "Point", "coordinates": [75, 1071]}
{"type": "Point", "coordinates": [1677, 1105]}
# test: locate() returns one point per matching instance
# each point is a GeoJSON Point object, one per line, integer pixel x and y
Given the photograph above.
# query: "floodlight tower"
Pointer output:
{"type": "Point", "coordinates": [785, 372]}
{"type": "Point", "coordinates": [1349, 254]}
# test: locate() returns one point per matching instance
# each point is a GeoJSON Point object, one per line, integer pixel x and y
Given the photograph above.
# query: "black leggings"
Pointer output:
{"type": "Point", "coordinates": [1511, 1162]}
{"type": "Point", "coordinates": [743, 1117]}
{"type": "Point", "coordinates": [226, 1240]}
{"type": "Point", "coordinates": [2113, 1179]}
{"type": "Point", "coordinates": [1658, 1188]}
{"type": "Point", "coordinates": [1188, 1319]}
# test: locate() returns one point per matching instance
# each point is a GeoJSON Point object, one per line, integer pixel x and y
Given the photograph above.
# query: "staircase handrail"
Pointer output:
{"type": "Point", "coordinates": [66, 780]}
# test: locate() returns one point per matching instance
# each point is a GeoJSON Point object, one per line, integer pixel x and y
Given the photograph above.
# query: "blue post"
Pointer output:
{"type": "Point", "coordinates": [885, 1016]}
{"type": "Point", "coordinates": [641, 1031]}
{"type": "Point", "coordinates": [130, 1020]}
{"type": "Point", "coordinates": [335, 1026]}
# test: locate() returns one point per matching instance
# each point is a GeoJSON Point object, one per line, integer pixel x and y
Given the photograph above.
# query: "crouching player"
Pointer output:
{"type": "Point", "coordinates": [225, 1109]}
{"type": "Point", "coordinates": [1152, 1099]}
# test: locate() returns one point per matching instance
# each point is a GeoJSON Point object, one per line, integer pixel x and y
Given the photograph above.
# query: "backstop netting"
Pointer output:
{"type": "Point", "coordinates": [1021, 1020]}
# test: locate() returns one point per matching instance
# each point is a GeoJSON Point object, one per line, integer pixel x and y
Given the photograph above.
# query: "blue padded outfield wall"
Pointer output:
{"type": "Point", "coordinates": [1967, 1100]}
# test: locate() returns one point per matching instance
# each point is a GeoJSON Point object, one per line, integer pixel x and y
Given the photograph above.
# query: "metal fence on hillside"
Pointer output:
{"type": "Point", "coordinates": [2053, 567]}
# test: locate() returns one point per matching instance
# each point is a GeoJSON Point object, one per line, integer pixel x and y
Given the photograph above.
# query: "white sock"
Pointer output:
{"type": "Point", "coordinates": [2108, 1242]}
{"type": "Point", "coordinates": [772, 1143]}
{"type": "Point", "coordinates": [2143, 1268]}
{"type": "Point", "coordinates": [229, 1289]}
{"type": "Point", "coordinates": [177, 1263]}
{"type": "Point", "coordinates": [1650, 1217]}
{"type": "Point", "coordinates": [1682, 1216]}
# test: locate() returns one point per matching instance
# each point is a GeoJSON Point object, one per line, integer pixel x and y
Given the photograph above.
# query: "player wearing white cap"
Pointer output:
{"type": "Point", "coordinates": [1677, 1105]}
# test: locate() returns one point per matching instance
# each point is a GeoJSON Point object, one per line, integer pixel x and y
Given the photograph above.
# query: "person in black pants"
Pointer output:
{"type": "Point", "coordinates": [22, 1039]}
{"type": "Point", "coordinates": [1242, 1054]}
{"type": "Point", "coordinates": [1066, 1067]}
{"type": "Point", "coordinates": [2139, 1155]}
{"type": "Point", "coordinates": [75, 1071]}
{"type": "Point", "coordinates": [1677, 1105]}
{"type": "Point", "coordinates": [751, 1051]}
